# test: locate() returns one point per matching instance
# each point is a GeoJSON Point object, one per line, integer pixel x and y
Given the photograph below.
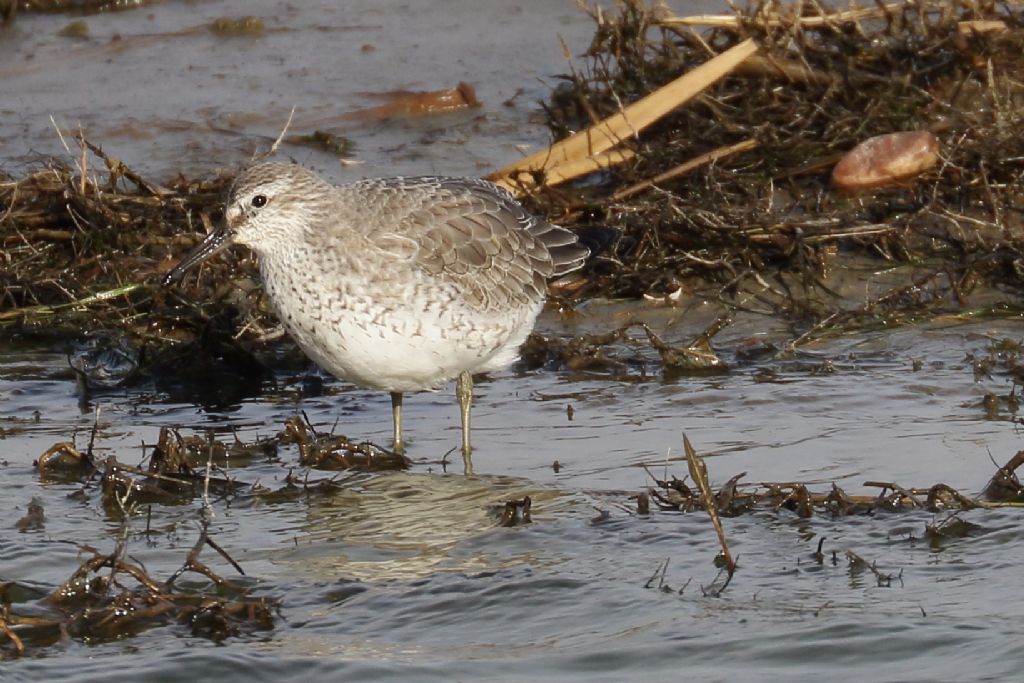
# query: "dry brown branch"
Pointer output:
{"type": "Point", "coordinates": [788, 70]}
{"type": "Point", "coordinates": [5, 629]}
{"type": "Point", "coordinates": [733, 21]}
{"type": "Point", "coordinates": [981, 26]}
{"type": "Point", "coordinates": [699, 474]}
{"type": "Point", "coordinates": [684, 168]}
{"type": "Point", "coordinates": [566, 171]}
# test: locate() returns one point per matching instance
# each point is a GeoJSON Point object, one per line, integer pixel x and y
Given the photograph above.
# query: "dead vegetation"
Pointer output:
{"type": "Point", "coordinates": [733, 499]}
{"type": "Point", "coordinates": [177, 472]}
{"type": "Point", "coordinates": [730, 194]}
{"type": "Point", "coordinates": [111, 595]}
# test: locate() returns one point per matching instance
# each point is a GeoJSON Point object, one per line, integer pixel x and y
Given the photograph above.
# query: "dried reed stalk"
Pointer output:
{"type": "Point", "coordinates": [699, 473]}
{"type": "Point", "coordinates": [606, 134]}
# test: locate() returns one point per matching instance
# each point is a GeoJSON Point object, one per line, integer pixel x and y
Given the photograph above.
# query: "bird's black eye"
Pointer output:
{"type": "Point", "coordinates": [259, 200]}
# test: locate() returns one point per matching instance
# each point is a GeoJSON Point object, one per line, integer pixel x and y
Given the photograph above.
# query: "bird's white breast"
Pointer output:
{"type": "Point", "coordinates": [393, 331]}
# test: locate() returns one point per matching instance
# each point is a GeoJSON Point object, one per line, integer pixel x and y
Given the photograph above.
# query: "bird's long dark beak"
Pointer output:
{"type": "Point", "coordinates": [216, 241]}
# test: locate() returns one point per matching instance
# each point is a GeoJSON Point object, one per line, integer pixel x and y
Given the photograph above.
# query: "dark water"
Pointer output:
{"type": "Point", "coordinates": [408, 576]}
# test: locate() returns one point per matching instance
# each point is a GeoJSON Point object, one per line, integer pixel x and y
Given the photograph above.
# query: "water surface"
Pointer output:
{"type": "Point", "coordinates": [408, 576]}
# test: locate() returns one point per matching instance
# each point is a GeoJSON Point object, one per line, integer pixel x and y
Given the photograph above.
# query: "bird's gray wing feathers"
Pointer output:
{"type": "Point", "coordinates": [477, 236]}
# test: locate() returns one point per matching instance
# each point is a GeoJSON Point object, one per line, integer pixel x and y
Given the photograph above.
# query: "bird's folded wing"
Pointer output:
{"type": "Point", "coordinates": [477, 238]}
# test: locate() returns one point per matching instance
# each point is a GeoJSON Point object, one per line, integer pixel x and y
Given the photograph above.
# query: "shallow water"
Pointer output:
{"type": "Point", "coordinates": [161, 91]}
{"type": "Point", "coordinates": [408, 576]}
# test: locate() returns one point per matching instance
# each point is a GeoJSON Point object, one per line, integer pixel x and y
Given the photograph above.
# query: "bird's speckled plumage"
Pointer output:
{"type": "Point", "coordinates": [395, 283]}
{"type": "Point", "coordinates": [399, 283]}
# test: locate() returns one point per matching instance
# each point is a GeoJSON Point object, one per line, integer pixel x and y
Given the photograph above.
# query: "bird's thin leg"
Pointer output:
{"type": "Point", "coordinates": [464, 392]}
{"type": "Point", "coordinates": [396, 416]}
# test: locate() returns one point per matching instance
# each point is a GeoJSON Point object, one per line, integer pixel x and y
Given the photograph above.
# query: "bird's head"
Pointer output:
{"type": "Point", "coordinates": [270, 204]}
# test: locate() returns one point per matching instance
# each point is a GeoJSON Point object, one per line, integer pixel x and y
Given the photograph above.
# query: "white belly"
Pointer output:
{"type": "Point", "coordinates": [406, 347]}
